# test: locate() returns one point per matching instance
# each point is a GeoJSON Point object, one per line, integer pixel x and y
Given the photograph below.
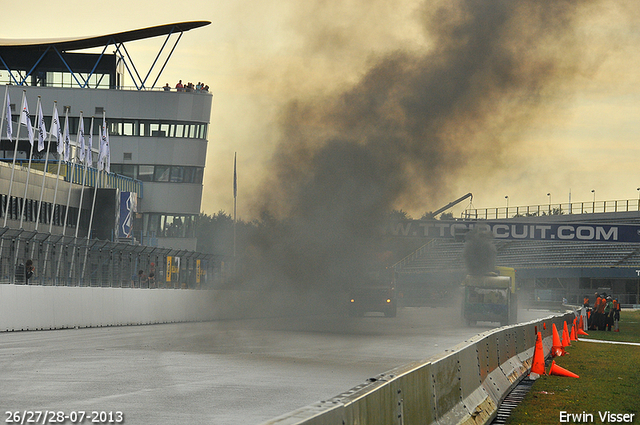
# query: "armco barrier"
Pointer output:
{"type": "Point", "coordinates": [463, 386]}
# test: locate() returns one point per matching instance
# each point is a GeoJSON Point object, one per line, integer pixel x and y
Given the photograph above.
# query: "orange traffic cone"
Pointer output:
{"type": "Point", "coordinates": [565, 336]}
{"type": "Point", "coordinates": [544, 325]}
{"type": "Point", "coordinates": [573, 331]}
{"type": "Point", "coordinates": [538, 357]}
{"type": "Point", "coordinates": [556, 348]}
{"type": "Point", "coordinates": [581, 332]}
{"type": "Point", "coordinates": [581, 323]}
{"type": "Point", "coordinates": [560, 371]}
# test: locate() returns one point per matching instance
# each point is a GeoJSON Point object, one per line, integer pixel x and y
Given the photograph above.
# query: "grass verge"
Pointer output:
{"type": "Point", "coordinates": [609, 381]}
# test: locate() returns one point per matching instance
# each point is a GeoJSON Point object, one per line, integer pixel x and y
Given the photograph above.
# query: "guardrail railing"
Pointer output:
{"type": "Point", "coordinates": [625, 205]}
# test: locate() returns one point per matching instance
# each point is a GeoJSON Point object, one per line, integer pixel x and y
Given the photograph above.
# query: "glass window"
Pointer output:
{"type": "Point", "coordinates": [128, 129]}
{"type": "Point", "coordinates": [198, 175]}
{"type": "Point", "coordinates": [174, 226]}
{"type": "Point", "coordinates": [155, 130]}
{"type": "Point", "coordinates": [189, 173]}
{"type": "Point", "coordinates": [154, 225]}
{"type": "Point", "coordinates": [179, 130]}
{"type": "Point", "coordinates": [145, 173]}
{"type": "Point", "coordinates": [177, 174]}
{"type": "Point", "coordinates": [161, 173]}
{"type": "Point", "coordinates": [128, 170]}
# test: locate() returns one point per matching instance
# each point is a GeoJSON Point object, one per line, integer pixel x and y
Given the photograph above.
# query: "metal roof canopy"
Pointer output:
{"type": "Point", "coordinates": [52, 55]}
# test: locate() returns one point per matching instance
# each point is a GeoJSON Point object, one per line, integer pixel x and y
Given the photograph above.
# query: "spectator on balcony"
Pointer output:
{"type": "Point", "coordinates": [179, 86]}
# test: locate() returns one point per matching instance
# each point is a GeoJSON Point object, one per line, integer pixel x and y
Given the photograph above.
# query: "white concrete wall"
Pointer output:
{"type": "Point", "coordinates": [28, 307]}
{"type": "Point", "coordinates": [31, 307]}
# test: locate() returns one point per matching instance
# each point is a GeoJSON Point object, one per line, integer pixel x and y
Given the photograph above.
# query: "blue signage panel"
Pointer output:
{"type": "Point", "coordinates": [128, 206]}
{"type": "Point", "coordinates": [592, 232]}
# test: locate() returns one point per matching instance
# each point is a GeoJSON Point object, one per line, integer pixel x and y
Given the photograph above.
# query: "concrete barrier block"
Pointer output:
{"type": "Point", "coordinates": [479, 405]}
{"type": "Point", "coordinates": [74, 306]}
{"type": "Point", "coordinates": [500, 338]}
{"type": "Point", "coordinates": [8, 307]}
{"type": "Point", "coordinates": [375, 405]}
{"type": "Point", "coordinates": [487, 356]}
{"type": "Point", "coordinates": [320, 413]}
{"type": "Point", "coordinates": [25, 316]}
{"type": "Point", "coordinates": [496, 385]}
{"type": "Point", "coordinates": [417, 398]}
{"type": "Point", "coordinates": [447, 389]}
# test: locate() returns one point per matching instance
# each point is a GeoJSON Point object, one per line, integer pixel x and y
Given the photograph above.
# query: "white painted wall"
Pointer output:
{"type": "Point", "coordinates": [29, 307]}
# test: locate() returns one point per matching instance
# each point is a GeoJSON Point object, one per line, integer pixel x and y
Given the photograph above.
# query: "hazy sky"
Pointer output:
{"type": "Point", "coordinates": [256, 56]}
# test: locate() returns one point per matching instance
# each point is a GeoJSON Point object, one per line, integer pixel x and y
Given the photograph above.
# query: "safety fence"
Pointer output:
{"type": "Point", "coordinates": [59, 260]}
{"type": "Point", "coordinates": [624, 205]}
{"type": "Point", "coordinates": [464, 385]}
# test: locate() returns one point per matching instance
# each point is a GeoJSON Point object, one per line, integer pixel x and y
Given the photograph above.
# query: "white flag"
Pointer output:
{"type": "Point", "coordinates": [104, 146]}
{"type": "Point", "coordinates": [89, 155]}
{"type": "Point", "coordinates": [108, 153]}
{"type": "Point", "coordinates": [56, 129]}
{"type": "Point", "coordinates": [66, 141]}
{"type": "Point", "coordinates": [80, 140]}
{"type": "Point", "coordinates": [25, 119]}
{"type": "Point", "coordinates": [100, 157]}
{"type": "Point", "coordinates": [9, 124]}
{"type": "Point", "coordinates": [42, 129]}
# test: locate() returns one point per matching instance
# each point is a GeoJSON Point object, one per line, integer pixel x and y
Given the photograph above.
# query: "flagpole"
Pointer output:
{"type": "Point", "coordinates": [93, 205]}
{"type": "Point", "coordinates": [235, 207]}
{"type": "Point", "coordinates": [2, 119]}
{"type": "Point", "coordinates": [26, 185]}
{"type": "Point", "coordinates": [46, 166]}
{"type": "Point", "coordinates": [84, 174]}
{"type": "Point", "coordinates": [12, 278]}
{"type": "Point", "coordinates": [60, 142]}
{"type": "Point", "coordinates": [66, 153]}
{"type": "Point", "coordinates": [60, 139]}
{"type": "Point", "coordinates": [4, 110]}
{"type": "Point", "coordinates": [13, 165]}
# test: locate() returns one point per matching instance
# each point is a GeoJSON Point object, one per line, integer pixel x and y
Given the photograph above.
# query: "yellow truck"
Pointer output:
{"type": "Point", "coordinates": [491, 298]}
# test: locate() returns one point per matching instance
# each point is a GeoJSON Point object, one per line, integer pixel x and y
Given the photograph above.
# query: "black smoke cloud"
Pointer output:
{"type": "Point", "coordinates": [412, 125]}
{"type": "Point", "coordinates": [479, 252]}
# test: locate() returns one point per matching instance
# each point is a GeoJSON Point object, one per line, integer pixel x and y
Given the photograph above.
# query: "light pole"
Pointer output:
{"type": "Point", "coordinates": [594, 199]}
{"type": "Point", "coordinates": [549, 195]}
{"type": "Point", "coordinates": [507, 213]}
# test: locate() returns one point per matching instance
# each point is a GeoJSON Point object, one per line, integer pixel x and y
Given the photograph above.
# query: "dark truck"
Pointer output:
{"type": "Point", "coordinates": [376, 294]}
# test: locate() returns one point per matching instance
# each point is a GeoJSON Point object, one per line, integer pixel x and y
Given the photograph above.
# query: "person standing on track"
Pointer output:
{"type": "Point", "coordinates": [583, 313]}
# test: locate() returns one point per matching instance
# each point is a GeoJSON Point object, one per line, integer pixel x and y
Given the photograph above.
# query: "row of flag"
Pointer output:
{"type": "Point", "coordinates": [83, 150]}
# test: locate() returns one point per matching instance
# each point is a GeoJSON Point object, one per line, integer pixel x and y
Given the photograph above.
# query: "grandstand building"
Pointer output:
{"type": "Point", "coordinates": [157, 139]}
{"type": "Point", "coordinates": [589, 259]}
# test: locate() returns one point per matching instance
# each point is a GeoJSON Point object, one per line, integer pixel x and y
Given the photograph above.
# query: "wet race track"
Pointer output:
{"type": "Point", "coordinates": [223, 372]}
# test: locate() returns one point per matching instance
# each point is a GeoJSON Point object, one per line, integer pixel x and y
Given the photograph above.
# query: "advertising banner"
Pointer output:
{"type": "Point", "coordinates": [513, 230]}
{"type": "Point", "coordinates": [128, 207]}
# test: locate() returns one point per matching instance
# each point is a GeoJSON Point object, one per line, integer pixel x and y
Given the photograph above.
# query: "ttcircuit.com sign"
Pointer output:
{"type": "Point", "coordinates": [517, 230]}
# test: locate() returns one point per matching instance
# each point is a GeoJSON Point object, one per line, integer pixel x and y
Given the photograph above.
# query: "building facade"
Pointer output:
{"type": "Point", "coordinates": [157, 139]}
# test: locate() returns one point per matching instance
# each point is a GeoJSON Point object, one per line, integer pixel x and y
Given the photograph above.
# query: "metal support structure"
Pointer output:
{"type": "Point", "coordinates": [118, 40]}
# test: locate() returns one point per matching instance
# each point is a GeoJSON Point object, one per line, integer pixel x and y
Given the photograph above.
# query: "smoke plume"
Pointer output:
{"type": "Point", "coordinates": [403, 134]}
{"type": "Point", "coordinates": [479, 252]}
